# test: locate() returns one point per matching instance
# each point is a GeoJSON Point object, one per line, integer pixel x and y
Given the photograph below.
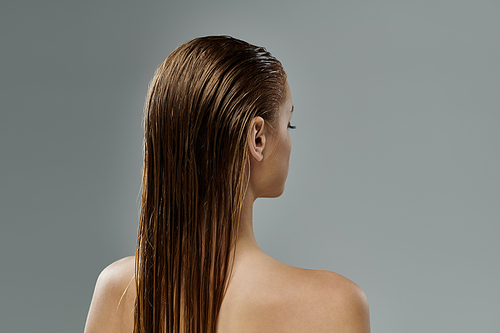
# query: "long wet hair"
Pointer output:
{"type": "Point", "coordinates": [198, 111]}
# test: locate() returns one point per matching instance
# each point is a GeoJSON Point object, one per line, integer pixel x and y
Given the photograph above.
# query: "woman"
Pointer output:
{"type": "Point", "coordinates": [216, 138]}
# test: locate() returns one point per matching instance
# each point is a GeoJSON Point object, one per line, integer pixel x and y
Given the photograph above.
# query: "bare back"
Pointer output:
{"type": "Point", "coordinates": [263, 295]}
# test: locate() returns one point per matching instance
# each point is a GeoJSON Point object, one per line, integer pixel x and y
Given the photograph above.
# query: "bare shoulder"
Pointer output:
{"type": "Point", "coordinates": [289, 299]}
{"type": "Point", "coordinates": [112, 306]}
{"type": "Point", "coordinates": [342, 303]}
{"type": "Point", "coordinates": [324, 301]}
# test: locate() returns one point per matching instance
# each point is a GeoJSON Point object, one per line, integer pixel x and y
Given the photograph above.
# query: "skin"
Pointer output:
{"type": "Point", "coordinates": [263, 295]}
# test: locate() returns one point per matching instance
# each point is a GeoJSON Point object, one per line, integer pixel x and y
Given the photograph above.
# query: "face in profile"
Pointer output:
{"type": "Point", "coordinates": [279, 148]}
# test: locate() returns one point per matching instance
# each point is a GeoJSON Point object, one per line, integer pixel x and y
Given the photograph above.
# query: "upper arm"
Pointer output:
{"type": "Point", "coordinates": [111, 306]}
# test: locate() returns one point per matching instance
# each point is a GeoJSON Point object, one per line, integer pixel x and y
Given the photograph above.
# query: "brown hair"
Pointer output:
{"type": "Point", "coordinates": [198, 109]}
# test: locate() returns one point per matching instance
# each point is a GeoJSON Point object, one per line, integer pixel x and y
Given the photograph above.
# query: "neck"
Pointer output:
{"type": "Point", "coordinates": [246, 237]}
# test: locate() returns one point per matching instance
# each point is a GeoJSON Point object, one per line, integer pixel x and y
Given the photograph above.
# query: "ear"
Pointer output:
{"type": "Point", "coordinates": [256, 138]}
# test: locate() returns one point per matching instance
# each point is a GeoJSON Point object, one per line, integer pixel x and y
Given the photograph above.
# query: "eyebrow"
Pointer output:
{"type": "Point", "coordinates": [292, 108]}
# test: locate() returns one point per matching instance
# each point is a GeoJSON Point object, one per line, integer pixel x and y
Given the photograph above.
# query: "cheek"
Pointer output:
{"type": "Point", "coordinates": [288, 145]}
{"type": "Point", "coordinates": [285, 154]}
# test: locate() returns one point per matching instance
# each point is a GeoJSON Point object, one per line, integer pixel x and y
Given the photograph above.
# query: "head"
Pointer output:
{"type": "Point", "coordinates": [208, 99]}
{"type": "Point", "coordinates": [269, 148]}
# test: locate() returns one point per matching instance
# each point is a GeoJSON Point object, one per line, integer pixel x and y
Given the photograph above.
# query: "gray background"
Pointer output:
{"type": "Point", "coordinates": [394, 175]}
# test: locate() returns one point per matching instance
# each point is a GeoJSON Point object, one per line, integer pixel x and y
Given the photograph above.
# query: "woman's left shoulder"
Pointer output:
{"type": "Point", "coordinates": [111, 309]}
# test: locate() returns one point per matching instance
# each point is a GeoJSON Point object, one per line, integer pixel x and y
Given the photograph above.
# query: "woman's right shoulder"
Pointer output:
{"type": "Point", "coordinates": [324, 301]}
{"type": "Point", "coordinates": [303, 300]}
{"type": "Point", "coordinates": [111, 309]}
{"type": "Point", "coordinates": [344, 303]}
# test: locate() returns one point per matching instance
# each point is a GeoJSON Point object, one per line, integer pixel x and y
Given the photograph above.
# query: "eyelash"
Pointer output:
{"type": "Point", "coordinates": [290, 126]}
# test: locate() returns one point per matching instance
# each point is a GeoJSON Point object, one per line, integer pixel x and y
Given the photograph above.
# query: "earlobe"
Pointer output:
{"type": "Point", "coordinates": [256, 139]}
